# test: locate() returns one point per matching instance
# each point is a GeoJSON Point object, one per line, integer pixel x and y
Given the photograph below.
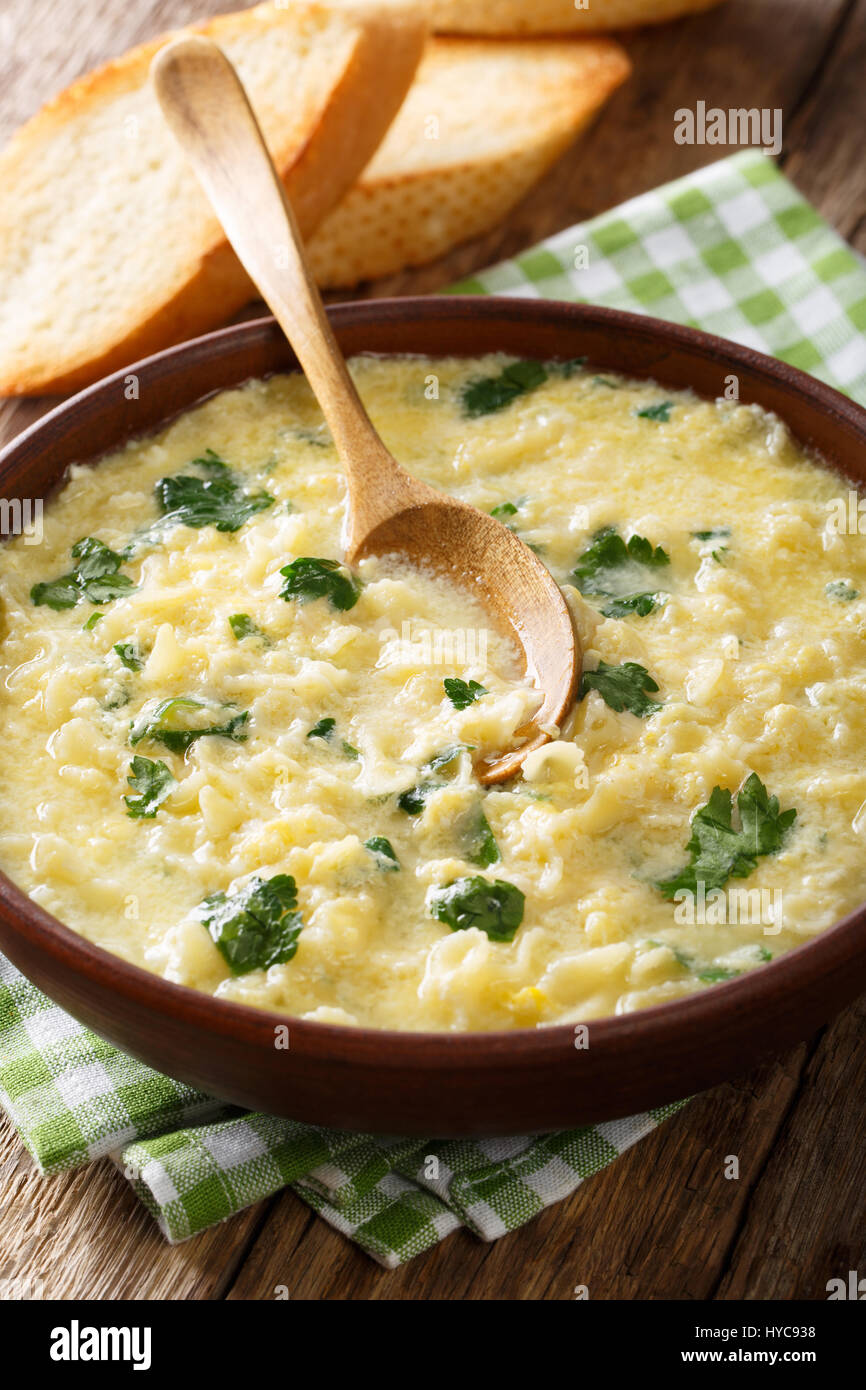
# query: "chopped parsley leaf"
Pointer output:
{"type": "Point", "coordinates": [383, 852]}
{"type": "Point", "coordinates": [446, 756]}
{"type": "Point", "coordinates": [153, 723]}
{"type": "Point", "coordinates": [129, 654]}
{"type": "Point", "coordinates": [496, 907]}
{"type": "Point", "coordinates": [415, 798]}
{"type": "Point", "coordinates": [152, 781]}
{"type": "Point", "coordinates": [661, 412]}
{"type": "Point", "coordinates": [479, 842]}
{"type": "Point", "coordinates": [310, 578]}
{"type": "Point", "coordinates": [487, 394]}
{"type": "Point", "coordinates": [95, 578]}
{"type": "Point", "coordinates": [569, 367]}
{"type": "Point", "coordinates": [218, 500]}
{"type": "Point", "coordinates": [719, 851]}
{"type": "Point", "coordinates": [843, 591]}
{"type": "Point", "coordinates": [256, 927]}
{"type": "Point", "coordinates": [715, 533]}
{"type": "Point", "coordinates": [618, 571]}
{"type": "Point", "coordinates": [462, 693]}
{"type": "Point", "coordinates": [243, 626]}
{"type": "Point", "coordinates": [622, 687]}
{"type": "Point", "coordinates": [325, 730]}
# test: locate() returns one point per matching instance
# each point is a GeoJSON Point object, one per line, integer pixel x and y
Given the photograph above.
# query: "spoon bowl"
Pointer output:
{"type": "Point", "coordinates": [389, 512]}
{"type": "Point", "coordinates": [473, 550]}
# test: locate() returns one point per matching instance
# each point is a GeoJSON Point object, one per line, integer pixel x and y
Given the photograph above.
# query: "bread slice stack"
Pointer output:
{"type": "Point", "coordinates": [392, 153]}
{"type": "Point", "coordinates": [109, 249]}
{"type": "Point", "coordinates": [484, 119]}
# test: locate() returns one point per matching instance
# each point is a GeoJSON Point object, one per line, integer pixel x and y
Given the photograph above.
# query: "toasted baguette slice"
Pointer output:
{"type": "Point", "coordinates": [483, 121]}
{"type": "Point", "coordinates": [555, 16]}
{"type": "Point", "coordinates": [520, 17]}
{"type": "Point", "coordinates": [108, 248]}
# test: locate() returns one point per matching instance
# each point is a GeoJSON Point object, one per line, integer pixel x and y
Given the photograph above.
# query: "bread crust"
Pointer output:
{"type": "Point", "coordinates": [504, 17]}
{"type": "Point", "coordinates": [374, 69]}
{"type": "Point", "coordinates": [417, 199]}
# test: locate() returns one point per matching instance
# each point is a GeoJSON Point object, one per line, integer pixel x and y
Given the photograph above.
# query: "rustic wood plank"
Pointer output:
{"type": "Point", "coordinates": [655, 1224]}
{"type": "Point", "coordinates": [805, 1221]}
{"type": "Point", "coordinates": [824, 141]}
{"type": "Point", "coordinates": [45, 47]}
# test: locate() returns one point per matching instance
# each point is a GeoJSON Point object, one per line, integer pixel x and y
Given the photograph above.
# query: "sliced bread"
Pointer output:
{"type": "Point", "coordinates": [484, 119]}
{"type": "Point", "coordinates": [108, 248]}
{"type": "Point", "coordinates": [510, 17]}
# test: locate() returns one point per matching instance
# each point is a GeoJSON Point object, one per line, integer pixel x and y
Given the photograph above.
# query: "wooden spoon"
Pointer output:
{"type": "Point", "coordinates": [389, 512]}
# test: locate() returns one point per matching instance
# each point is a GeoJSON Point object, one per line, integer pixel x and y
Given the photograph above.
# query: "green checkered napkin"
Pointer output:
{"type": "Point", "coordinates": [733, 249]}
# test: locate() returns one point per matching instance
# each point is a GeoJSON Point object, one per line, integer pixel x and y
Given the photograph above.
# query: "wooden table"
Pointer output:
{"type": "Point", "coordinates": [663, 1221]}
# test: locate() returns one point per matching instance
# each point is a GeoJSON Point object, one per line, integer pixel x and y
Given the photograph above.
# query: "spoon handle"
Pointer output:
{"type": "Point", "coordinates": [209, 114]}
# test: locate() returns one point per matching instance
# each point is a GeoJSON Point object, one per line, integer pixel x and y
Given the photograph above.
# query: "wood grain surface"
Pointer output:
{"type": "Point", "coordinates": [664, 1221]}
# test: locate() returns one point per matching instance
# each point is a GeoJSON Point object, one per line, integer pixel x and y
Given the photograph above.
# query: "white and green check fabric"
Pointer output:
{"type": "Point", "coordinates": [733, 249]}
{"type": "Point", "coordinates": [194, 1161]}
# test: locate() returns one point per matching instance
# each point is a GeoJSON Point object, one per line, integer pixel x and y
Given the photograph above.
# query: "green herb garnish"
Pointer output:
{"type": "Point", "coordinates": [309, 578]}
{"type": "Point", "coordinates": [661, 411]}
{"type": "Point", "coordinates": [622, 687]}
{"type": "Point", "coordinates": [383, 852]}
{"type": "Point", "coordinates": [153, 781]}
{"type": "Point", "coordinates": [488, 394]}
{"type": "Point", "coordinates": [714, 974]}
{"type": "Point", "coordinates": [256, 927]}
{"type": "Point", "coordinates": [324, 729]}
{"type": "Point", "coordinates": [243, 626]}
{"type": "Point", "coordinates": [618, 571]}
{"type": "Point", "coordinates": [415, 799]}
{"type": "Point", "coordinates": [479, 842]}
{"type": "Point", "coordinates": [129, 654]}
{"type": "Point", "coordinates": [95, 578]}
{"type": "Point", "coordinates": [154, 723]}
{"type": "Point", "coordinates": [217, 500]}
{"type": "Point", "coordinates": [503, 510]}
{"type": "Point", "coordinates": [446, 756]}
{"type": "Point", "coordinates": [843, 591]}
{"type": "Point", "coordinates": [715, 533]}
{"type": "Point", "coordinates": [92, 621]}
{"type": "Point", "coordinates": [718, 851]}
{"type": "Point", "coordinates": [462, 693]}
{"type": "Point", "coordinates": [496, 908]}
{"type": "Point", "coordinates": [569, 367]}
{"type": "Point", "coordinates": [116, 700]}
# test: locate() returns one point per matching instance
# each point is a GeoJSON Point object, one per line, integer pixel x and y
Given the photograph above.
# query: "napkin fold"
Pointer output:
{"type": "Point", "coordinates": [733, 249]}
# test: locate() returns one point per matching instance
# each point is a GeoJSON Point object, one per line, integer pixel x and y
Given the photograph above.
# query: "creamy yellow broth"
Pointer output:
{"type": "Point", "coordinates": [755, 641]}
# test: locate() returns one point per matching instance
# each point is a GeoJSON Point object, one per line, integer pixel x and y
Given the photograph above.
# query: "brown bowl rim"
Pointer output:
{"type": "Point", "coordinates": [833, 947]}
